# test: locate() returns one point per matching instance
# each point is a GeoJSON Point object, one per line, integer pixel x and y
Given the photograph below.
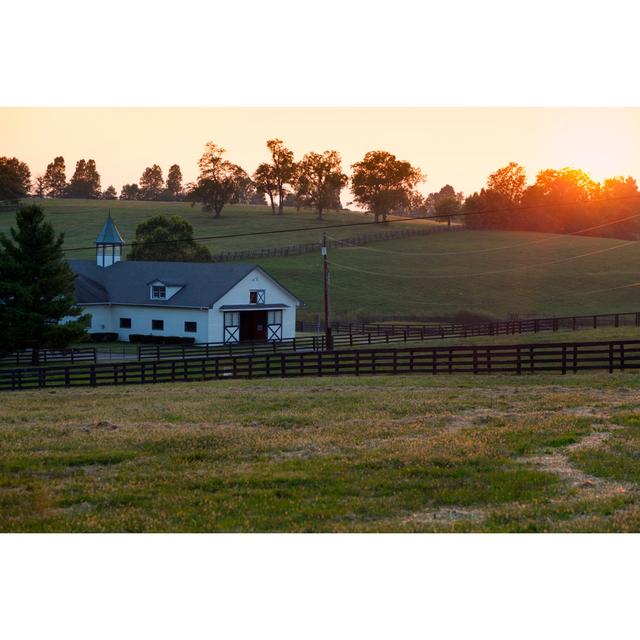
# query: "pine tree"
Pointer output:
{"type": "Point", "coordinates": [36, 288]}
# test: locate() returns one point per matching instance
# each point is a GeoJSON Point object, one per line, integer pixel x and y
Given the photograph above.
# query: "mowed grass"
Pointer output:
{"type": "Point", "coordinates": [369, 454]}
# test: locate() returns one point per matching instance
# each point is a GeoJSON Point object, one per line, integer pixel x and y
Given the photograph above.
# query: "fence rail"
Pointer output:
{"type": "Point", "coordinates": [498, 327]}
{"type": "Point", "coordinates": [310, 247]}
{"type": "Point", "coordinates": [46, 356]}
{"type": "Point", "coordinates": [519, 359]}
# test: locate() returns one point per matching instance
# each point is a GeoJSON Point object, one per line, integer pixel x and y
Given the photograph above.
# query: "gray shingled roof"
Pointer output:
{"type": "Point", "coordinates": [109, 233]}
{"type": "Point", "coordinates": [127, 282]}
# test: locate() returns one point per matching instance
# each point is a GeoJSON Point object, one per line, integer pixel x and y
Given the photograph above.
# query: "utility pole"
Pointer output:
{"type": "Point", "coordinates": [325, 268]}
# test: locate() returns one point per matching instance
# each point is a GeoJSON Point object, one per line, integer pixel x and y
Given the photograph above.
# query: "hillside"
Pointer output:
{"type": "Point", "coordinates": [482, 273]}
{"type": "Point", "coordinates": [478, 273]}
{"type": "Point", "coordinates": [81, 220]}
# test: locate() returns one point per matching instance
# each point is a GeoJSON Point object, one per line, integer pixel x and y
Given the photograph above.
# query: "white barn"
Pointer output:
{"type": "Point", "coordinates": [210, 302]}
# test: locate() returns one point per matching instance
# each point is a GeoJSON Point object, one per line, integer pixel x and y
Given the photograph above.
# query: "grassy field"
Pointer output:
{"type": "Point", "coordinates": [539, 453]}
{"type": "Point", "coordinates": [81, 221]}
{"type": "Point", "coordinates": [483, 274]}
{"type": "Point", "coordinates": [513, 274]}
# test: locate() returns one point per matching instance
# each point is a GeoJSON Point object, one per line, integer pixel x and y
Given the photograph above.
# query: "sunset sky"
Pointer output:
{"type": "Point", "coordinates": [459, 146]}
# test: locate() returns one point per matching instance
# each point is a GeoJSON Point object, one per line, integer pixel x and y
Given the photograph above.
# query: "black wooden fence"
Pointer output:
{"type": "Point", "coordinates": [507, 359]}
{"type": "Point", "coordinates": [47, 356]}
{"type": "Point", "coordinates": [310, 247]}
{"type": "Point", "coordinates": [491, 328]}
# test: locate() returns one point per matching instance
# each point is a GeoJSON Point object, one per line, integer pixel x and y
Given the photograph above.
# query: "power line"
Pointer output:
{"type": "Point", "coordinates": [360, 224]}
{"type": "Point", "coordinates": [484, 273]}
{"type": "Point", "coordinates": [346, 243]}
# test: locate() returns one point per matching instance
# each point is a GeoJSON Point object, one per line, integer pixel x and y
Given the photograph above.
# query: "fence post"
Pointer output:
{"type": "Point", "coordinates": [564, 359]}
{"type": "Point", "coordinates": [611, 357]}
{"type": "Point", "coordinates": [622, 356]}
{"type": "Point", "coordinates": [475, 361]}
{"type": "Point", "coordinates": [519, 361]}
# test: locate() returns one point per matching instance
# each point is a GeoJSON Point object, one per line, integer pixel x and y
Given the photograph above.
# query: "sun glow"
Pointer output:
{"type": "Point", "coordinates": [602, 145]}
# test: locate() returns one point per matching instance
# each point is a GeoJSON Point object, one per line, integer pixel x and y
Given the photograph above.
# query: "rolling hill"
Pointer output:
{"type": "Point", "coordinates": [489, 274]}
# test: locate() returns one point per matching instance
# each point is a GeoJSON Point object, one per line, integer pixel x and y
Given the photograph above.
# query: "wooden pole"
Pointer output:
{"type": "Point", "coordinates": [325, 280]}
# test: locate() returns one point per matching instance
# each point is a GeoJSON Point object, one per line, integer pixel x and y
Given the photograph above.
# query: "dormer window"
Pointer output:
{"type": "Point", "coordinates": [256, 296]}
{"type": "Point", "coordinates": [159, 292]}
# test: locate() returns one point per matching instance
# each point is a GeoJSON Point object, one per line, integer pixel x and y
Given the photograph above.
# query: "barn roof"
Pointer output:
{"type": "Point", "coordinates": [127, 282]}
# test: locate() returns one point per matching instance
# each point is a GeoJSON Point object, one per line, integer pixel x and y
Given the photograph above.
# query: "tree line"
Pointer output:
{"type": "Point", "coordinates": [563, 200]}
{"type": "Point", "coordinates": [380, 182]}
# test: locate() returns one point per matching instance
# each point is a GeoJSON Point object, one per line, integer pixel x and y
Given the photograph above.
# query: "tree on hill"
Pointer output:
{"type": "Point", "coordinates": [85, 182]}
{"type": "Point", "coordinates": [383, 184]}
{"type": "Point", "coordinates": [174, 182]}
{"type": "Point", "coordinates": [317, 178]}
{"type": "Point", "coordinates": [110, 193]}
{"type": "Point", "coordinates": [15, 180]}
{"type": "Point", "coordinates": [283, 169]}
{"type": "Point", "coordinates": [444, 201]}
{"type": "Point", "coordinates": [36, 287]}
{"type": "Point", "coordinates": [151, 183]}
{"type": "Point", "coordinates": [167, 239]}
{"type": "Point", "coordinates": [266, 184]}
{"type": "Point", "coordinates": [130, 192]}
{"type": "Point", "coordinates": [39, 188]}
{"type": "Point", "coordinates": [220, 182]}
{"type": "Point", "coordinates": [558, 200]}
{"type": "Point", "coordinates": [55, 178]}
{"type": "Point", "coordinates": [510, 182]}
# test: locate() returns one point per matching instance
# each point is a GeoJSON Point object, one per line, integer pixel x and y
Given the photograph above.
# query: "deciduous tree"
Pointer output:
{"type": "Point", "coordinates": [167, 239]}
{"type": "Point", "coordinates": [174, 182]}
{"type": "Point", "coordinates": [85, 182]}
{"type": "Point", "coordinates": [220, 182]}
{"type": "Point", "coordinates": [55, 178]}
{"type": "Point", "coordinates": [510, 182]}
{"type": "Point", "coordinates": [383, 184]}
{"type": "Point", "coordinates": [266, 184]}
{"type": "Point", "coordinates": [36, 287]}
{"type": "Point", "coordinates": [283, 169]}
{"type": "Point", "coordinates": [151, 183]}
{"type": "Point", "coordinates": [15, 180]}
{"type": "Point", "coordinates": [317, 178]}
{"type": "Point", "coordinates": [110, 193]}
{"type": "Point", "coordinates": [130, 192]}
{"type": "Point", "coordinates": [39, 188]}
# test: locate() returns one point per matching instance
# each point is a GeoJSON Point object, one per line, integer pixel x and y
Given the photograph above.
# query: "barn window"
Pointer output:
{"type": "Point", "coordinates": [125, 323]}
{"type": "Point", "coordinates": [158, 292]}
{"type": "Point", "coordinates": [256, 296]}
{"type": "Point", "coordinates": [190, 327]}
{"type": "Point", "coordinates": [157, 325]}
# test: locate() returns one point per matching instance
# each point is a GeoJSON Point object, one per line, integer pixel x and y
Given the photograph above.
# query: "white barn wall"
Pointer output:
{"type": "Point", "coordinates": [239, 295]}
{"type": "Point", "coordinates": [108, 319]}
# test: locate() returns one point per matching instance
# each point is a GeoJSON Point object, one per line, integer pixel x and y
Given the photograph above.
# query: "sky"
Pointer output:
{"type": "Point", "coordinates": [460, 146]}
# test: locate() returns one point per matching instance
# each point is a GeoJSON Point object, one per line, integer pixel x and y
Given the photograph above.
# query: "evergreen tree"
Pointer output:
{"type": "Point", "coordinates": [36, 288]}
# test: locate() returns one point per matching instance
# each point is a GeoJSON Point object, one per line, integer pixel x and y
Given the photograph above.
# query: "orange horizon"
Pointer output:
{"type": "Point", "coordinates": [460, 146]}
